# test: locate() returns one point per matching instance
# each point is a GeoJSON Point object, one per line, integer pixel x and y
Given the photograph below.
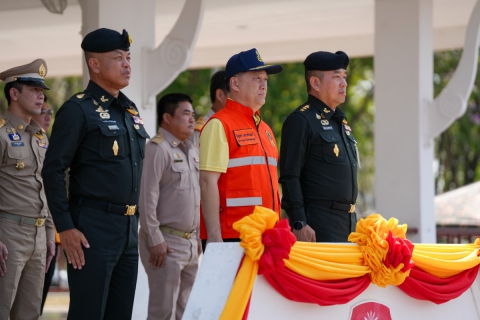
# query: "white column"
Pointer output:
{"type": "Point", "coordinates": [404, 182]}
{"type": "Point", "coordinates": [138, 18]}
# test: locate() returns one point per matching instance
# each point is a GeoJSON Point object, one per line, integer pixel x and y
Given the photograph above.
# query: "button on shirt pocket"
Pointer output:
{"type": "Point", "coordinates": [113, 144]}
{"type": "Point", "coordinates": [332, 147]}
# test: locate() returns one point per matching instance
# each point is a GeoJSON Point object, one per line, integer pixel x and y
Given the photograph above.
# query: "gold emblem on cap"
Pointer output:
{"type": "Point", "coordinates": [129, 38]}
{"type": "Point", "coordinates": [115, 148]}
{"type": "Point", "coordinates": [20, 127]}
{"type": "Point", "coordinates": [103, 99]}
{"type": "Point", "coordinates": [80, 95]}
{"type": "Point", "coordinates": [336, 150]}
{"type": "Point", "coordinates": [258, 56]}
{"type": "Point", "coordinates": [42, 71]}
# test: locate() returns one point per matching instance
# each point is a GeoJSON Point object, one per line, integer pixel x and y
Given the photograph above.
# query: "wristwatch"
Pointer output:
{"type": "Point", "coordinates": [298, 225]}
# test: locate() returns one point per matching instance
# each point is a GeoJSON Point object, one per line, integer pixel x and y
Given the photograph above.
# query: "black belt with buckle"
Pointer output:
{"type": "Point", "coordinates": [125, 210]}
{"type": "Point", "coordinates": [347, 207]}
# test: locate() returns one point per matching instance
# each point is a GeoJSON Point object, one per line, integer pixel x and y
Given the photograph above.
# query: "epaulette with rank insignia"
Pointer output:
{"type": "Point", "coordinates": [199, 123]}
{"type": "Point", "coordinates": [80, 96]}
{"type": "Point", "coordinates": [158, 138]}
{"type": "Point", "coordinates": [304, 108]}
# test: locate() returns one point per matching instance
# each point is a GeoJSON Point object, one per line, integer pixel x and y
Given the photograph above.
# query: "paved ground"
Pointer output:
{"type": "Point", "coordinates": [56, 306]}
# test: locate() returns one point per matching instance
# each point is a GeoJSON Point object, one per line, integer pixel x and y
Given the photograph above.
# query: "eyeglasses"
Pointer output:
{"type": "Point", "coordinates": [44, 112]}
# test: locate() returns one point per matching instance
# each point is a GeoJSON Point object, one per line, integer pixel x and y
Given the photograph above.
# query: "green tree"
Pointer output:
{"type": "Point", "coordinates": [457, 150]}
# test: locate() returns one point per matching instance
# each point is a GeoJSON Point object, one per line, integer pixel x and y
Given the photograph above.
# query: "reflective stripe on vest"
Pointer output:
{"type": "Point", "coordinates": [248, 161]}
{"type": "Point", "coordinates": [240, 202]}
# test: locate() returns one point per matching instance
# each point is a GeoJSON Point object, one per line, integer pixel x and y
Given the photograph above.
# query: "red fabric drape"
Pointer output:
{"type": "Point", "coordinates": [325, 293]}
{"type": "Point", "coordinates": [424, 286]}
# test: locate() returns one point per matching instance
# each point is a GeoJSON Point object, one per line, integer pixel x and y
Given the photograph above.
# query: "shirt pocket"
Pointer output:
{"type": "Point", "coordinates": [113, 144]}
{"type": "Point", "coordinates": [142, 137]}
{"type": "Point", "coordinates": [353, 145]}
{"type": "Point", "coordinates": [19, 161]}
{"type": "Point", "coordinates": [181, 175]}
{"type": "Point", "coordinates": [332, 147]}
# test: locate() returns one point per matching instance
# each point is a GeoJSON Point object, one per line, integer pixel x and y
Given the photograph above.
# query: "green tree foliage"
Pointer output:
{"type": "Point", "coordinates": [457, 150]}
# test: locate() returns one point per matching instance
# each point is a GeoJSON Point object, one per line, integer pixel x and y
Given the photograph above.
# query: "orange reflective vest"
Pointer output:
{"type": "Point", "coordinates": [251, 178]}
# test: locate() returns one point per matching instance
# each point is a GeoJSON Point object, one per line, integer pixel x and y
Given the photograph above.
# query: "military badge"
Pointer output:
{"type": "Point", "coordinates": [326, 110]}
{"type": "Point", "coordinates": [103, 99]}
{"type": "Point", "coordinates": [177, 157]}
{"type": "Point", "coordinates": [132, 111]}
{"type": "Point", "coordinates": [20, 165]}
{"type": "Point", "coordinates": [39, 135]}
{"type": "Point", "coordinates": [270, 138]}
{"type": "Point", "coordinates": [20, 127]}
{"type": "Point", "coordinates": [104, 115]}
{"type": "Point", "coordinates": [95, 102]}
{"type": "Point", "coordinates": [80, 95]}
{"type": "Point", "coordinates": [18, 144]}
{"type": "Point", "coordinates": [100, 109]}
{"type": "Point", "coordinates": [2, 122]}
{"type": "Point", "coordinates": [115, 148]}
{"type": "Point", "coordinates": [336, 150]}
{"type": "Point", "coordinates": [42, 144]}
{"type": "Point", "coordinates": [137, 120]}
{"type": "Point", "coordinates": [304, 108]}
{"type": "Point", "coordinates": [42, 71]}
{"type": "Point", "coordinates": [324, 122]}
{"type": "Point", "coordinates": [14, 136]}
{"type": "Point", "coordinates": [136, 126]}
{"type": "Point", "coordinates": [318, 116]}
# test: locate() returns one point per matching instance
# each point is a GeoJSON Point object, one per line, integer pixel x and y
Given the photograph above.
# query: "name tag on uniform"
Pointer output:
{"type": "Point", "coordinates": [327, 127]}
{"type": "Point", "coordinates": [18, 144]}
{"type": "Point", "coordinates": [113, 127]}
{"type": "Point", "coordinates": [245, 137]}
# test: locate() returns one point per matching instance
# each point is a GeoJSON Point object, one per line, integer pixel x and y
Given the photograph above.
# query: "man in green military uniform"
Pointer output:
{"type": "Point", "coordinates": [319, 157]}
{"type": "Point", "coordinates": [99, 135]}
{"type": "Point", "coordinates": [26, 227]}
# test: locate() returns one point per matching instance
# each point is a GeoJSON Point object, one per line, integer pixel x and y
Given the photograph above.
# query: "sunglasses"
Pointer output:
{"type": "Point", "coordinates": [44, 112]}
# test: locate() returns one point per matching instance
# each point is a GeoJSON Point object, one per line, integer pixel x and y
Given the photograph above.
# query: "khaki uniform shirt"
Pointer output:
{"type": "Point", "coordinates": [170, 191]}
{"type": "Point", "coordinates": [22, 152]}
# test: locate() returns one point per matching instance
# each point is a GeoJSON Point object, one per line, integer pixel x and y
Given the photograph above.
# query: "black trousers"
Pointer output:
{"type": "Point", "coordinates": [330, 225]}
{"type": "Point", "coordinates": [105, 286]}
{"type": "Point", "coordinates": [48, 278]}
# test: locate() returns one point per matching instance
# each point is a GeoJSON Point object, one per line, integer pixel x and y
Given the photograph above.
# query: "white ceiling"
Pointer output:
{"type": "Point", "coordinates": [282, 30]}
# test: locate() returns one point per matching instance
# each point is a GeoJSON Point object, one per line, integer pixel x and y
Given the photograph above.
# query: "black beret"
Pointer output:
{"type": "Point", "coordinates": [105, 40]}
{"type": "Point", "coordinates": [325, 61]}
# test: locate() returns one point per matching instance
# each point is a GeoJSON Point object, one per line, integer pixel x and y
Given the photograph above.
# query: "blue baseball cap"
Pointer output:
{"type": "Point", "coordinates": [248, 61]}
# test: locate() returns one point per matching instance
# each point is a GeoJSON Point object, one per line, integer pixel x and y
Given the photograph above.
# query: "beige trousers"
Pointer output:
{"type": "Point", "coordinates": [21, 287]}
{"type": "Point", "coordinates": [170, 286]}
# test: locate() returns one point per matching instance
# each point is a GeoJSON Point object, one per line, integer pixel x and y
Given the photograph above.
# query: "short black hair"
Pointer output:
{"type": "Point", "coordinates": [217, 81]}
{"type": "Point", "coordinates": [312, 73]}
{"type": "Point", "coordinates": [10, 85]}
{"type": "Point", "coordinates": [169, 103]}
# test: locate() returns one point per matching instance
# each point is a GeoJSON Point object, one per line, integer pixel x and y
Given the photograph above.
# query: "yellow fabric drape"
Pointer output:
{"type": "Point", "coordinates": [337, 261]}
{"type": "Point", "coordinates": [251, 229]}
